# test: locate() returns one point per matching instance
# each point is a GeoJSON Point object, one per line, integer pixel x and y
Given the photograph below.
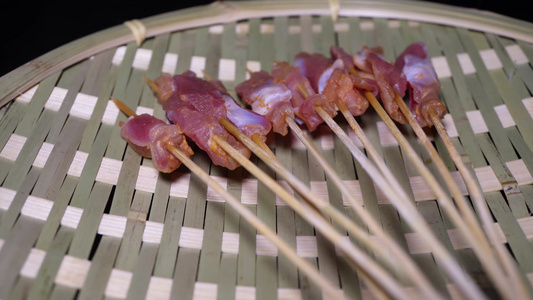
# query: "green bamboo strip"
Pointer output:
{"type": "Point", "coordinates": [186, 49]}
{"type": "Point", "coordinates": [327, 258]}
{"type": "Point", "coordinates": [15, 250]}
{"type": "Point", "coordinates": [254, 41]}
{"type": "Point", "coordinates": [52, 223]}
{"type": "Point", "coordinates": [135, 87]}
{"type": "Point", "coordinates": [42, 286]}
{"type": "Point", "coordinates": [516, 238]}
{"type": "Point", "coordinates": [62, 292]}
{"type": "Point", "coordinates": [306, 34]}
{"type": "Point", "coordinates": [20, 290]}
{"type": "Point", "coordinates": [125, 67]}
{"type": "Point", "coordinates": [8, 124]}
{"type": "Point", "coordinates": [141, 275]}
{"type": "Point", "coordinates": [300, 168]}
{"type": "Point", "coordinates": [78, 77]}
{"type": "Point", "coordinates": [303, 168]}
{"type": "Point", "coordinates": [266, 266]}
{"type": "Point", "coordinates": [510, 187]}
{"type": "Point", "coordinates": [91, 167]}
{"type": "Point", "coordinates": [432, 214]}
{"type": "Point", "coordinates": [208, 268]}
{"type": "Point", "coordinates": [28, 122]}
{"type": "Point", "coordinates": [527, 48]}
{"type": "Point", "coordinates": [168, 248]}
{"type": "Point", "coordinates": [128, 255]}
{"type": "Point", "coordinates": [213, 55]}
{"type": "Point", "coordinates": [281, 39]}
{"type": "Point", "coordinates": [368, 190]}
{"type": "Point", "coordinates": [246, 261]}
{"type": "Point", "coordinates": [523, 151]}
{"type": "Point", "coordinates": [196, 199]}
{"type": "Point", "coordinates": [327, 36]}
{"type": "Point", "coordinates": [287, 272]}
{"type": "Point", "coordinates": [528, 192]}
{"type": "Point", "coordinates": [101, 266]}
{"type": "Point", "coordinates": [266, 278]}
{"type": "Point", "coordinates": [228, 48]}
{"type": "Point", "coordinates": [11, 216]}
{"type": "Point", "coordinates": [241, 59]}
{"type": "Point", "coordinates": [115, 149]}
{"type": "Point", "coordinates": [160, 199]}
{"type": "Point", "coordinates": [185, 274]}
{"type": "Point", "coordinates": [127, 179]}
{"type": "Point", "coordinates": [383, 38]}
{"type": "Point", "coordinates": [96, 76]}
{"type": "Point", "coordinates": [234, 187]}
{"type": "Point", "coordinates": [294, 36]}
{"type": "Point", "coordinates": [58, 163]}
{"type": "Point", "coordinates": [334, 195]}
{"type": "Point", "coordinates": [227, 275]}
{"type": "Point", "coordinates": [84, 237]}
{"type": "Point", "coordinates": [345, 167]}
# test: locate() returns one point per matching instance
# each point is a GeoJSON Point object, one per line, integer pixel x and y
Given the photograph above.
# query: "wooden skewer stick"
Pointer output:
{"type": "Point", "coordinates": [399, 255]}
{"type": "Point", "coordinates": [479, 200]}
{"type": "Point", "coordinates": [261, 227]}
{"type": "Point", "coordinates": [442, 197]}
{"type": "Point", "coordinates": [290, 253]}
{"type": "Point", "coordinates": [470, 229]}
{"type": "Point", "coordinates": [397, 195]}
{"type": "Point", "coordinates": [483, 210]}
{"type": "Point", "coordinates": [151, 84]}
{"type": "Point", "coordinates": [359, 257]}
{"type": "Point", "coordinates": [123, 107]}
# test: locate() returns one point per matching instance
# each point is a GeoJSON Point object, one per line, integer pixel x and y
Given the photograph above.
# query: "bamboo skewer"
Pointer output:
{"type": "Point", "coordinates": [479, 201]}
{"type": "Point", "coordinates": [410, 268]}
{"type": "Point", "coordinates": [290, 253]}
{"type": "Point", "coordinates": [476, 192]}
{"type": "Point", "coordinates": [353, 253]}
{"type": "Point", "coordinates": [444, 200]}
{"type": "Point", "coordinates": [397, 195]}
{"type": "Point", "coordinates": [406, 208]}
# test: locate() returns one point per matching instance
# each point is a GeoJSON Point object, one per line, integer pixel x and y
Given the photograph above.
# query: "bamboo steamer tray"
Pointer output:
{"type": "Point", "coordinates": [83, 216]}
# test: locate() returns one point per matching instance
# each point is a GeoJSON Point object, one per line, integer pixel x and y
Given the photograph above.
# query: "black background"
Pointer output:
{"type": "Point", "coordinates": [30, 29]}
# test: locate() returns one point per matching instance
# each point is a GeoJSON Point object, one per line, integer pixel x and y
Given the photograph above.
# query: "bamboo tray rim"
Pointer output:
{"type": "Point", "coordinates": [21, 79]}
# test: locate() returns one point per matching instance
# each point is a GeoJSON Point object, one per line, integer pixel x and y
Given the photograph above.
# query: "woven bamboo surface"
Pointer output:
{"type": "Point", "coordinates": [83, 216]}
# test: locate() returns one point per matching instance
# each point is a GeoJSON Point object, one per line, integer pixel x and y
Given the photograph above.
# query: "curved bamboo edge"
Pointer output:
{"type": "Point", "coordinates": [21, 79]}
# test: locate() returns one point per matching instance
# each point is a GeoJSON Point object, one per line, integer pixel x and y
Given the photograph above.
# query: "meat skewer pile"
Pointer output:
{"type": "Point", "coordinates": [311, 93]}
{"type": "Point", "coordinates": [349, 249]}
